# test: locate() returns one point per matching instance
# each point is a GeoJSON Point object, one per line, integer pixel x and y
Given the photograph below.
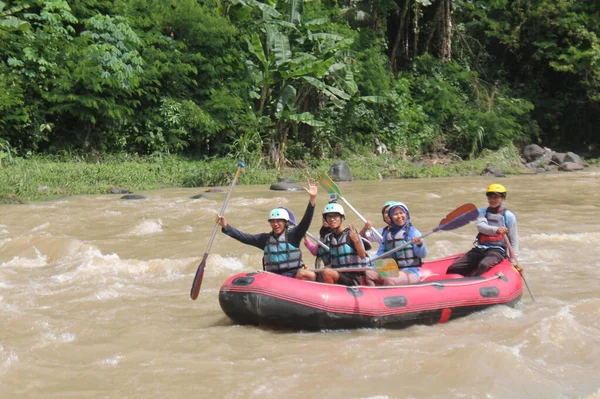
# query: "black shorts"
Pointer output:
{"type": "Point", "coordinates": [291, 273]}
{"type": "Point", "coordinates": [350, 278]}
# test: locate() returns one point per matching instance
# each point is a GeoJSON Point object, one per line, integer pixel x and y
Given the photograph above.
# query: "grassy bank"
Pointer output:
{"type": "Point", "coordinates": [40, 178]}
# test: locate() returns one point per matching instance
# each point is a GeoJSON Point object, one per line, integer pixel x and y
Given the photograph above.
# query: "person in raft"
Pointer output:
{"type": "Point", "coordinates": [346, 249]}
{"type": "Point", "coordinates": [494, 224]}
{"type": "Point", "coordinates": [409, 259]}
{"type": "Point", "coordinates": [322, 255]}
{"type": "Point", "coordinates": [366, 230]}
{"type": "Point", "coordinates": [281, 245]}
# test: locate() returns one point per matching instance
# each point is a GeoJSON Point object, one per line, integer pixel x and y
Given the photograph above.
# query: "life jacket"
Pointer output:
{"type": "Point", "coordinates": [341, 253]}
{"type": "Point", "coordinates": [323, 258]}
{"type": "Point", "coordinates": [496, 241]}
{"type": "Point", "coordinates": [280, 256]}
{"type": "Point", "coordinates": [323, 255]}
{"type": "Point", "coordinates": [405, 257]}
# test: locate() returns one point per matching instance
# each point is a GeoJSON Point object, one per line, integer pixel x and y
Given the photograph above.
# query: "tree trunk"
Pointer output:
{"type": "Point", "coordinates": [278, 144]}
{"type": "Point", "coordinates": [399, 37]}
{"type": "Point", "coordinates": [446, 31]}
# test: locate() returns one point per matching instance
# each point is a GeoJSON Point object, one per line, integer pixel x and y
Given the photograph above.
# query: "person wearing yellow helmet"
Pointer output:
{"type": "Point", "coordinates": [495, 188]}
{"type": "Point", "coordinates": [495, 225]}
{"type": "Point", "coordinates": [281, 245]}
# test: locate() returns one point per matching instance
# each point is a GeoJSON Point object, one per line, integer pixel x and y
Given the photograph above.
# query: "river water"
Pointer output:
{"type": "Point", "coordinates": [94, 301]}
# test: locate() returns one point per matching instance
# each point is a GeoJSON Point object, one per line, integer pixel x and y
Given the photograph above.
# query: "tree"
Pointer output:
{"type": "Point", "coordinates": [297, 70]}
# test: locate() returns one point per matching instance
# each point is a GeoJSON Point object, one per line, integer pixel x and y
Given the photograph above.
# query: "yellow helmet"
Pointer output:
{"type": "Point", "coordinates": [496, 188]}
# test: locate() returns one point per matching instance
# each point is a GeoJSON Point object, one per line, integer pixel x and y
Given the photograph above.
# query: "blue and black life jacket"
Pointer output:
{"type": "Point", "coordinates": [280, 256]}
{"type": "Point", "coordinates": [341, 253]}
{"type": "Point", "coordinates": [405, 257]}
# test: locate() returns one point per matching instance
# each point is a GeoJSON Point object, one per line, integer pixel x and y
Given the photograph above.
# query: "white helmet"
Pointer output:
{"type": "Point", "coordinates": [332, 207]}
{"type": "Point", "coordinates": [279, 213]}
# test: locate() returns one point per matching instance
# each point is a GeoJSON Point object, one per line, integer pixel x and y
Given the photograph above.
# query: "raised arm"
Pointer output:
{"type": "Point", "coordinates": [255, 240]}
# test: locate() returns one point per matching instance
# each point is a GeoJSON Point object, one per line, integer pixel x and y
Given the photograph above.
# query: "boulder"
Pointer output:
{"type": "Point", "coordinates": [119, 190]}
{"type": "Point", "coordinates": [572, 157]}
{"type": "Point", "coordinates": [570, 167]}
{"type": "Point", "coordinates": [340, 171]}
{"type": "Point", "coordinates": [285, 184]}
{"type": "Point", "coordinates": [492, 171]}
{"type": "Point", "coordinates": [200, 196]}
{"type": "Point", "coordinates": [532, 152]}
{"type": "Point", "coordinates": [133, 197]}
{"type": "Point", "coordinates": [558, 157]}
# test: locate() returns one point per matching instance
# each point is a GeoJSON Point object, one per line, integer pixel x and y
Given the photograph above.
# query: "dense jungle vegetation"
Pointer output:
{"type": "Point", "coordinates": [283, 80]}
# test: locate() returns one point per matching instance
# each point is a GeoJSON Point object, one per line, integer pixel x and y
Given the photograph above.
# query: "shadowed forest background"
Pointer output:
{"type": "Point", "coordinates": [278, 81]}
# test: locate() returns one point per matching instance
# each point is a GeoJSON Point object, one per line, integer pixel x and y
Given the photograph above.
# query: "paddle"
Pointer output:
{"type": "Point", "coordinates": [385, 267]}
{"type": "Point", "coordinates": [200, 272]}
{"type": "Point", "coordinates": [459, 217]}
{"type": "Point", "coordinates": [333, 188]}
{"type": "Point", "coordinates": [516, 265]}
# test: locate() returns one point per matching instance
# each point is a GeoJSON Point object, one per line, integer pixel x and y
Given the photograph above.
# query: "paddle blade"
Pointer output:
{"type": "Point", "coordinates": [198, 278]}
{"type": "Point", "coordinates": [459, 217]}
{"type": "Point", "coordinates": [386, 267]}
{"type": "Point", "coordinates": [329, 185]}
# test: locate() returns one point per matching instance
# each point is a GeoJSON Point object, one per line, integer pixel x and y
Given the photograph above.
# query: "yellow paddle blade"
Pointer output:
{"type": "Point", "coordinates": [386, 267]}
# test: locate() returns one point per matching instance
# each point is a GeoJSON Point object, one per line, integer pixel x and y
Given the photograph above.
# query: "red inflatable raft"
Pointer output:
{"type": "Point", "coordinates": [262, 298]}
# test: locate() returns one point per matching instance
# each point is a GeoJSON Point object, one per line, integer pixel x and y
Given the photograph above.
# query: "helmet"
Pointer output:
{"type": "Point", "coordinates": [332, 207]}
{"type": "Point", "coordinates": [279, 213]}
{"type": "Point", "coordinates": [496, 188]}
{"type": "Point", "coordinates": [292, 219]}
{"type": "Point", "coordinates": [400, 205]}
{"type": "Point", "coordinates": [387, 205]}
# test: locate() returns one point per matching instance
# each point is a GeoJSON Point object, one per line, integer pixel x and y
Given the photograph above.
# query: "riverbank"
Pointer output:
{"type": "Point", "coordinates": [44, 178]}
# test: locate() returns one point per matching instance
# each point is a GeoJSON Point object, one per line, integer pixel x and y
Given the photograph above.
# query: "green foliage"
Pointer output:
{"type": "Point", "coordinates": [550, 52]}
{"type": "Point", "coordinates": [6, 153]}
{"type": "Point", "coordinates": [286, 80]}
{"type": "Point", "coordinates": [471, 114]}
{"type": "Point", "coordinates": [298, 68]}
{"type": "Point", "coordinates": [8, 22]}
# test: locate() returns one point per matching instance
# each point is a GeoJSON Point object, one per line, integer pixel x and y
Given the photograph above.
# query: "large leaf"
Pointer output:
{"type": "Point", "coordinates": [294, 11]}
{"type": "Point", "coordinates": [349, 82]}
{"type": "Point", "coordinates": [339, 93]}
{"type": "Point", "coordinates": [306, 118]}
{"type": "Point", "coordinates": [14, 24]}
{"type": "Point", "coordinates": [316, 22]}
{"type": "Point", "coordinates": [316, 83]}
{"type": "Point", "coordinates": [318, 68]}
{"type": "Point", "coordinates": [268, 11]}
{"type": "Point", "coordinates": [255, 46]}
{"type": "Point", "coordinates": [374, 99]}
{"type": "Point", "coordinates": [281, 48]}
{"type": "Point", "coordinates": [327, 37]}
{"type": "Point", "coordinates": [288, 96]}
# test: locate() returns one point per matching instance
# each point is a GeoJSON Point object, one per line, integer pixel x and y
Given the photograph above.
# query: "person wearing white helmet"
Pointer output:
{"type": "Point", "coordinates": [281, 246]}
{"type": "Point", "coordinates": [366, 231]}
{"type": "Point", "coordinates": [345, 250]}
{"type": "Point", "coordinates": [494, 224]}
{"type": "Point", "coordinates": [409, 259]}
